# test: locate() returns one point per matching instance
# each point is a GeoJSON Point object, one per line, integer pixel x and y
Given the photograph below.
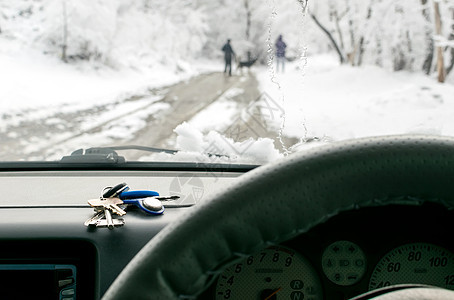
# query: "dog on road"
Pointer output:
{"type": "Point", "coordinates": [245, 64]}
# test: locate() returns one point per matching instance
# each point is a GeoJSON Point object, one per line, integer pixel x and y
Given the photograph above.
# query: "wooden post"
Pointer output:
{"type": "Point", "coordinates": [440, 60]}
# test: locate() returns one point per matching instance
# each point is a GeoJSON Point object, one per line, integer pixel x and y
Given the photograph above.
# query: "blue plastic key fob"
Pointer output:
{"type": "Point", "coordinates": [137, 194]}
{"type": "Point", "coordinates": [149, 205]}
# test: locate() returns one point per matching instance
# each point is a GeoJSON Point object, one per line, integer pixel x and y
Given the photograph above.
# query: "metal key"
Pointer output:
{"type": "Point", "coordinates": [98, 220]}
{"type": "Point", "coordinates": [115, 222]}
{"type": "Point", "coordinates": [113, 203]}
{"type": "Point", "coordinates": [109, 221]}
{"type": "Point", "coordinates": [106, 215]}
{"type": "Point", "coordinates": [92, 221]}
{"type": "Point", "coordinates": [110, 204]}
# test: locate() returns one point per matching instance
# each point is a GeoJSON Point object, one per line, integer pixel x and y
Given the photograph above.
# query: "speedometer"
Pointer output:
{"type": "Point", "coordinates": [415, 263]}
{"type": "Point", "coordinates": [274, 273]}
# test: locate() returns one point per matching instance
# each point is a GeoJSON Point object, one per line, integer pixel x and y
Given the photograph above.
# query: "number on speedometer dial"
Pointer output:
{"type": "Point", "coordinates": [415, 263]}
{"type": "Point", "coordinates": [274, 273]}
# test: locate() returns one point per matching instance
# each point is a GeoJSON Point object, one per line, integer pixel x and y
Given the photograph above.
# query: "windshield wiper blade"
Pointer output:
{"type": "Point", "coordinates": [109, 154]}
{"type": "Point", "coordinates": [156, 150]}
{"type": "Point", "coordinates": [94, 155]}
{"type": "Point", "coordinates": [141, 148]}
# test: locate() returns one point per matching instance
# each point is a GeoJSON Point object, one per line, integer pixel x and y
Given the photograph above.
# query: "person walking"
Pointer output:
{"type": "Point", "coordinates": [228, 53]}
{"type": "Point", "coordinates": [280, 53]}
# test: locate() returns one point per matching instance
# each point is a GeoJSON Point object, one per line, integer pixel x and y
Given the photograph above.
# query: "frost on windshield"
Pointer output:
{"type": "Point", "coordinates": [293, 74]}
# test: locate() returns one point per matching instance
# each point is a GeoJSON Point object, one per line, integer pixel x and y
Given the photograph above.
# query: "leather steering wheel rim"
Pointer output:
{"type": "Point", "coordinates": [281, 200]}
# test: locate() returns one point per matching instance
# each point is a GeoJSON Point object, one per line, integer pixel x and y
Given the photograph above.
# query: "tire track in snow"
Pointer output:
{"type": "Point", "coordinates": [159, 112]}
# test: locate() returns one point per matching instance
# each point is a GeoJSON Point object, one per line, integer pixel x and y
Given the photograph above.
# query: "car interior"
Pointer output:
{"type": "Point", "coordinates": [242, 150]}
{"type": "Point", "coordinates": [367, 218]}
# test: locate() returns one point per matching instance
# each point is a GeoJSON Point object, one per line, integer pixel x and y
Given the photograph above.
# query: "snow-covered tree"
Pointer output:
{"type": "Point", "coordinates": [394, 34]}
{"type": "Point", "coordinates": [114, 32]}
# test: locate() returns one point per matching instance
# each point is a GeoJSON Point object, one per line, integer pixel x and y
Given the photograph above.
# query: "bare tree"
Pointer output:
{"type": "Point", "coordinates": [248, 24]}
{"type": "Point", "coordinates": [330, 37]}
{"type": "Point", "coordinates": [337, 18]}
{"type": "Point", "coordinates": [248, 19]}
{"type": "Point", "coordinates": [361, 49]}
{"type": "Point", "coordinates": [427, 64]}
{"type": "Point", "coordinates": [351, 29]}
{"type": "Point", "coordinates": [451, 37]}
{"type": "Point", "coordinates": [64, 45]}
{"type": "Point", "coordinates": [354, 52]}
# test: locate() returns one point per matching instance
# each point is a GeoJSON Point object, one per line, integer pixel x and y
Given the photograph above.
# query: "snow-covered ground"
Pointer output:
{"type": "Point", "coordinates": [322, 101]}
{"type": "Point", "coordinates": [31, 80]}
{"type": "Point", "coordinates": [42, 89]}
{"type": "Point", "coordinates": [329, 102]}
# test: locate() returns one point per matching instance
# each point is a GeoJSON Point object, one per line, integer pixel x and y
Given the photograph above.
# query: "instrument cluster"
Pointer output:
{"type": "Point", "coordinates": [282, 273]}
{"type": "Point", "coordinates": [355, 252]}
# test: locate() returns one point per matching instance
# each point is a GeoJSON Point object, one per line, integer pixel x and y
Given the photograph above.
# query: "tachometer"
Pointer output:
{"type": "Point", "coordinates": [415, 263]}
{"type": "Point", "coordinates": [274, 273]}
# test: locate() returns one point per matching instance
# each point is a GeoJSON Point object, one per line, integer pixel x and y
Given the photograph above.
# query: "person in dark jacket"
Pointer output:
{"type": "Point", "coordinates": [228, 53]}
{"type": "Point", "coordinates": [280, 53]}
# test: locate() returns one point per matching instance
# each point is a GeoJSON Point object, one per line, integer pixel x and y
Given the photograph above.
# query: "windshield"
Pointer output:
{"type": "Point", "coordinates": [244, 81]}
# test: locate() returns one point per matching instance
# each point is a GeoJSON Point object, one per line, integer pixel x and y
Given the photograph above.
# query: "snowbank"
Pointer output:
{"type": "Point", "coordinates": [194, 146]}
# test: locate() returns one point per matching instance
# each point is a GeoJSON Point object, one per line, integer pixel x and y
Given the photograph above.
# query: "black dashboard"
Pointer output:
{"type": "Point", "coordinates": [350, 254]}
{"type": "Point", "coordinates": [42, 216]}
{"type": "Point", "coordinates": [48, 269]}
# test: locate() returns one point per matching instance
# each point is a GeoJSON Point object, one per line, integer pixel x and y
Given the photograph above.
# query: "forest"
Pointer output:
{"type": "Point", "coordinates": [411, 35]}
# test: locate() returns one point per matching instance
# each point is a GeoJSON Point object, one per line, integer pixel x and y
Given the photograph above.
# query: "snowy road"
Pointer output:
{"type": "Point", "coordinates": [185, 101]}
{"type": "Point", "coordinates": [147, 119]}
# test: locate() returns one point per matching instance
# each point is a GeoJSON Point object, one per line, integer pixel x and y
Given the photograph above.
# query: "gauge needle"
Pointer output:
{"type": "Point", "coordinates": [272, 294]}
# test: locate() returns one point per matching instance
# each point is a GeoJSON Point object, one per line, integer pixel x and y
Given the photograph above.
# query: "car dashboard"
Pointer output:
{"type": "Point", "coordinates": [42, 217]}
{"type": "Point", "coordinates": [46, 249]}
{"type": "Point", "coordinates": [348, 255]}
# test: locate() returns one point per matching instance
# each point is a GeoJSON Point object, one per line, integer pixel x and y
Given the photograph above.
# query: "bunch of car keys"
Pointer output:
{"type": "Point", "coordinates": [114, 200]}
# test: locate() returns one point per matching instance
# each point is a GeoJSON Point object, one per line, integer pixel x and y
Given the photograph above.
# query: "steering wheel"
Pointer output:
{"type": "Point", "coordinates": [279, 201]}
